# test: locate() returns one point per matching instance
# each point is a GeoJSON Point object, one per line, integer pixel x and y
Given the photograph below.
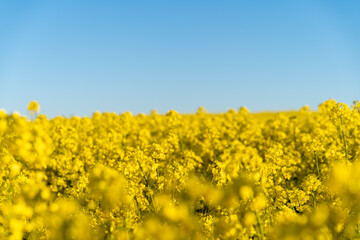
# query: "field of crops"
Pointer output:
{"type": "Point", "coordinates": [235, 175]}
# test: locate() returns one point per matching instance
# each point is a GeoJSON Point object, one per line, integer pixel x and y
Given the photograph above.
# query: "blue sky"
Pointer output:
{"type": "Point", "coordinates": [77, 57]}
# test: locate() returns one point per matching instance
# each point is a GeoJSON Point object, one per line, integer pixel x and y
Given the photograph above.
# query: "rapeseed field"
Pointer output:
{"type": "Point", "coordinates": [237, 175]}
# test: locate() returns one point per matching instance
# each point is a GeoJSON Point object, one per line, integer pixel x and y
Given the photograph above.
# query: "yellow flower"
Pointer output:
{"type": "Point", "coordinates": [33, 107]}
{"type": "Point", "coordinates": [178, 176]}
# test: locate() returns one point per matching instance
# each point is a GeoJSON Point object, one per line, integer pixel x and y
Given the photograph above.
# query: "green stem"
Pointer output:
{"type": "Point", "coordinates": [260, 226]}
{"type": "Point", "coordinates": [150, 198]}
{"type": "Point", "coordinates": [343, 136]}
{"type": "Point", "coordinates": [317, 164]}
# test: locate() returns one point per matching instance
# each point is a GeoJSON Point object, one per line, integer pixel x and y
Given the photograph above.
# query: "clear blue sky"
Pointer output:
{"type": "Point", "coordinates": [77, 57]}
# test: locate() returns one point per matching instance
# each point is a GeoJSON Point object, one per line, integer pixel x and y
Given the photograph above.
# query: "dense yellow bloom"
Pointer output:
{"type": "Point", "coordinates": [237, 175]}
{"type": "Point", "coordinates": [33, 106]}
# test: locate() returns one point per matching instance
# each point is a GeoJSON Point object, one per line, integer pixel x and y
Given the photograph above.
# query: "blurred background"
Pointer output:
{"type": "Point", "coordinates": [77, 57]}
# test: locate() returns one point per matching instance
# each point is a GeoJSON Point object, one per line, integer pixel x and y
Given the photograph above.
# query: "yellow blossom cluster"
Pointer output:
{"type": "Point", "coordinates": [237, 175]}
